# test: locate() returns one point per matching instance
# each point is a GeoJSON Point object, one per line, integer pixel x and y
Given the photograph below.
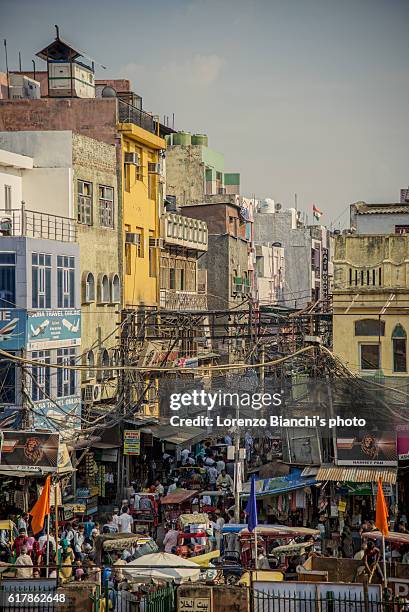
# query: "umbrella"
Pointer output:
{"type": "Point", "coordinates": [163, 565]}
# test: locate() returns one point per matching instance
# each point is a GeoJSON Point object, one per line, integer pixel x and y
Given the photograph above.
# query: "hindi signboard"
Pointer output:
{"type": "Point", "coordinates": [132, 442]}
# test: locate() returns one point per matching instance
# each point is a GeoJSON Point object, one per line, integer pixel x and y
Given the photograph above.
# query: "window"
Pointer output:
{"type": "Point", "coordinates": [128, 259]}
{"type": "Point", "coordinates": [103, 290]}
{"type": "Point", "coordinates": [65, 282]}
{"type": "Point", "coordinates": [7, 382]}
{"type": "Point", "coordinates": [115, 289]}
{"type": "Point", "coordinates": [172, 278]}
{"type": "Point", "coordinates": [7, 280]}
{"type": "Point", "coordinates": [152, 179]}
{"type": "Point", "coordinates": [104, 363]}
{"type": "Point", "coordinates": [152, 256]}
{"type": "Point", "coordinates": [369, 327]}
{"type": "Point", "coordinates": [164, 272]}
{"type": "Point", "coordinates": [90, 359]}
{"type": "Point", "coordinates": [41, 280]}
{"type": "Point", "coordinates": [66, 378]}
{"type": "Point", "coordinates": [399, 349]}
{"type": "Point", "coordinates": [7, 197]}
{"type": "Point", "coordinates": [84, 202]}
{"type": "Point", "coordinates": [106, 206]}
{"type": "Point", "coordinates": [40, 387]}
{"type": "Point", "coordinates": [89, 288]}
{"type": "Point", "coordinates": [370, 356]}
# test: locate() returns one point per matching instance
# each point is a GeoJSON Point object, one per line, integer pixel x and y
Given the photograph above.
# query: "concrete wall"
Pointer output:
{"type": "Point", "coordinates": [379, 224]}
{"type": "Point", "coordinates": [185, 174]}
{"type": "Point", "coordinates": [93, 117]}
{"type": "Point", "coordinates": [277, 227]}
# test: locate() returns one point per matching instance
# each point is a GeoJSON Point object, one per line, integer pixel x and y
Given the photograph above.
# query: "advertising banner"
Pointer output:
{"type": "Point", "coordinates": [53, 328]}
{"type": "Point", "coordinates": [12, 329]}
{"type": "Point", "coordinates": [132, 442]}
{"type": "Point", "coordinates": [29, 451]}
{"type": "Point", "coordinates": [403, 442]}
{"type": "Point", "coordinates": [61, 415]}
{"type": "Point", "coordinates": [362, 447]}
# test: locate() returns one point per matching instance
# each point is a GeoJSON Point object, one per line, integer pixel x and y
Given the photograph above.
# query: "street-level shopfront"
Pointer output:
{"type": "Point", "coordinates": [290, 500]}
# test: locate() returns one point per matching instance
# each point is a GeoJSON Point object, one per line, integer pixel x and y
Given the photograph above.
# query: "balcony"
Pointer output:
{"type": "Point", "coordinates": [32, 224]}
{"type": "Point", "coordinates": [131, 114]}
{"type": "Point", "coordinates": [182, 300]}
{"type": "Point", "coordinates": [184, 231]}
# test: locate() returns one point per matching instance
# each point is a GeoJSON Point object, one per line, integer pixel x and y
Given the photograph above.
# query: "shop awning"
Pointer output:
{"type": "Point", "coordinates": [178, 435]}
{"type": "Point", "coordinates": [280, 485]}
{"type": "Point", "coordinates": [356, 474]}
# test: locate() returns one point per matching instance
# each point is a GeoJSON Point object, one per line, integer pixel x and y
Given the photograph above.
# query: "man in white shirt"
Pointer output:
{"type": "Point", "coordinates": [212, 474]}
{"type": "Point", "coordinates": [172, 487]}
{"type": "Point", "coordinates": [159, 488]}
{"type": "Point", "coordinates": [184, 455]}
{"type": "Point", "coordinates": [42, 544]}
{"type": "Point", "coordinates": [125, 521]}
{"type": "Point", "coordinates": [24, 565]}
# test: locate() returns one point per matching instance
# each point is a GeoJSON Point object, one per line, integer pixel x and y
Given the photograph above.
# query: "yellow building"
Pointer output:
{"type": "Point", "coordinates": [371, 303]}
{"type": "Point", "coordinates": [142, 192]}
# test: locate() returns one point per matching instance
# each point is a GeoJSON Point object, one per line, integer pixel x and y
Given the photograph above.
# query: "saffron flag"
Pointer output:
{"type": "Point", "coordinates": [41, 508]}
{"type": "Point", "coordinates": [317, 213]}
{"type": "Point", "coordinates": [381, 519]}
{"type": "Point", "coordinates": [251, 508]}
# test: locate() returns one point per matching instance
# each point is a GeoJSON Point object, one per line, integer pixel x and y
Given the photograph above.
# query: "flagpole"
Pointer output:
{"type": "Point", "coordinates": [56, 522]}
{"type": "Point", "coordinates": [48, 545]}
{"type": "Point", "coordinates": [385, 582]}
{"type": "Point", "coordinates": [255, 549]}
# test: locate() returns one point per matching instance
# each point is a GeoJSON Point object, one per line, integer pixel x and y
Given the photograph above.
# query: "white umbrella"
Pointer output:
{"type": "Point", "coordinates": [163, 565]}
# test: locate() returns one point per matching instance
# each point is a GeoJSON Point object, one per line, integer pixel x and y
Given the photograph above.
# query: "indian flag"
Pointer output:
{"type": "Point", "coordinates": [316, 212]}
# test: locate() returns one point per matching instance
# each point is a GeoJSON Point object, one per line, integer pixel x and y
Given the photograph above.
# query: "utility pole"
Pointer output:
{"type": "Point", "coordinates": [237, 471]}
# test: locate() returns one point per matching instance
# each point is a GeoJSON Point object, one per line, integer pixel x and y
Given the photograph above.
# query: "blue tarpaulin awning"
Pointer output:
{"type": "Point", "coordinates": [279, 485]}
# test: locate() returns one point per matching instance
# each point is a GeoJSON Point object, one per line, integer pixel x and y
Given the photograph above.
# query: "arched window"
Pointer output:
{"type": "Point", "coordinates": [103, 290]}
{"type": "Point", "coordinates": [90, 364]}
{"type": "Point", "coordinates": [399, 349]}
{"type": "Point", "coordinates": [104, 362]}
{"type": "Point", "coordinates": [369, 327]}
{"type": "Point", "coordinates": [115, 289]}
{"type": "Point", "coordinates": [88, 288]}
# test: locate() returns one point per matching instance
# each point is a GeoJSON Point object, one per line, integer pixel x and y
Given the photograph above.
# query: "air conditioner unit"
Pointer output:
{"type": "Point", "coordinates": [132, 238]}
{"type": "Point", "coordinates": [156, 243]}
{"type": "Point", "coordinates": [132, 158]}
{"type": "Point", "coordinates": [92, 393]}
{"type": "Point", "coordinates": [153, 168]}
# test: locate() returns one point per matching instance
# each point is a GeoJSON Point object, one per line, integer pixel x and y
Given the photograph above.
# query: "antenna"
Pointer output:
{"type": "Point", "coordinates": [34, 69]}
{"type": "Point", "coordinates": [19, 60]}
{"type": "Point", "coordinates": [296, 201]}
{"type": "Point", "coordinates": [7, 69]}
{"type": "Point", "coordinates": [57, 31]}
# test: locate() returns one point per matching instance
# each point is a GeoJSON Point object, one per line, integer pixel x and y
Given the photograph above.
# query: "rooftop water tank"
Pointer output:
{"type": "Point", "coordinates": [182, 138]}
{"type": "Point", "coordinates": [200, 139]}
{"type": "Point", "coordinates": [267, 206]}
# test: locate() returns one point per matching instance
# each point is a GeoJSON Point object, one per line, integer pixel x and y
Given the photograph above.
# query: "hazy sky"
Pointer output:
{"type": "Point", "coordinates": [306, 96]}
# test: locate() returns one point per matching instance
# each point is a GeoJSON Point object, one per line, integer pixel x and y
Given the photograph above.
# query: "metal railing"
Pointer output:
{"type": "Point", "coordinates": [130, 114]}
{"type": "Point", "coordinates": [182, 300]}
{"type": "Point", "coordinates": [34, 224]}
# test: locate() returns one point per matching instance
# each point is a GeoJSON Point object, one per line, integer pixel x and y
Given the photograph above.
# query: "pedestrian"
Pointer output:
{"type": "Point", "coordinates": [173, 486]}
{"type": "Point", "coordinates": [20, 542]}
{"type": "Point", "coordinates": [24, 564]}
{"type": "Point", "coordinates": [125, 521]}
{"type": "Point", "coordinates": [78, 542]}
{"type": "Point", "coordinates": [184, 455]}
{"type": "Point", "coordinates": [170, 540]}
{"type": "Point", "coordinates": [212, 475]}
{"type": "Point", "coordinates": [159, 488]}
{"type": "Point", "coordinates": [220, 464]}
{"type": "Point", "coordinates": [22, 522]}
{"type": "Point", "coordinates": [224, 482]}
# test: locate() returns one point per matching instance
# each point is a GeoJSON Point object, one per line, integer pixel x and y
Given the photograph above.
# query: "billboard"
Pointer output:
{"type": "Point", "coordinates": [53, 328]}
{"type": "Point", "coordinates": [361, 446]}
{"type": "Point", "coordinates": [403, 442]}
{"type": "Point", "coordinates": [12, 329]}
{"type": "Point", "coordinates": [62, 414]}
{"type": "Point", "coordinates": [29, 451]}
{"type": "Point", "coordinates": [132, 442]}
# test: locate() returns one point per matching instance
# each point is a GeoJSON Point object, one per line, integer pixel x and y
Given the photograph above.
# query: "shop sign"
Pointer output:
{"type": "Point", "coordinates": [359, 446]}
{"type": "Point", "coordinates": [399, 586]}
{"type": "Point", "coordinates": [62, 414]}
{"type": "Point", "coordinates": [29, 451]}
{"type": "Point", "coordinates": [53, 328]}
{"type": "Point", "coordinates": [324, 273]}
{"type": "Point", "coordinates": [75, 508]}
{"type": "Point", "coordinates": [342, 506]}
{"type": "Point", "coordinates": [12, 329]}
{"type": "Point", "coordinates": [194, 604]}
{"type": "Point", "coordinates": [358, 488]}
{"type": "Point", "coordinates": [132, 442]}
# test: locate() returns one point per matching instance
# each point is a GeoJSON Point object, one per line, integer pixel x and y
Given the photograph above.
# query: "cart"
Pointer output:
{"type": "Point", "coordinates": [108, 544]}
{"type": "Point", "coordinates": [193, 527]}
{"type": "Point", "coordinates": [176, 503]}
{"type": "Point", "coordinates": [148, 512]}
{"type": "Point", "coordinates": [220, 496]}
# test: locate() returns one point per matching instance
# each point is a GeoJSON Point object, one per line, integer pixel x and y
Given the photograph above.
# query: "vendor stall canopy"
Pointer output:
{"type": "Point", "coordinates": [356, 474]}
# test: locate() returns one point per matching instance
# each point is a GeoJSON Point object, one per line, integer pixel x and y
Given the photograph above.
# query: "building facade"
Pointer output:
{"type": "Point", "coordinates": [270, 274]}
{"type": "Point", "coordinates": [40, 316]}
{"type": "Point", "coordinates": [82, 171]}
{"type": "Point", "coordinates": [370, 302]}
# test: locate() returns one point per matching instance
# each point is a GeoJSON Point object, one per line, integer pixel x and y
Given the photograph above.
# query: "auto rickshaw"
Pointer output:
{"type": "Point", "coordinates": [176, 503]}
{"type": "Point", "coordinates": [193, 527]}
{"type": "Point", "coordinates": [147, 513]}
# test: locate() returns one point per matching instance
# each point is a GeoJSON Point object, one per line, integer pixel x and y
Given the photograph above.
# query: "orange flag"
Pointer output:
{"type": "Point", "coordinates": [381, 519]}
{"type": "Point", "coordinates": [41, 508]}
